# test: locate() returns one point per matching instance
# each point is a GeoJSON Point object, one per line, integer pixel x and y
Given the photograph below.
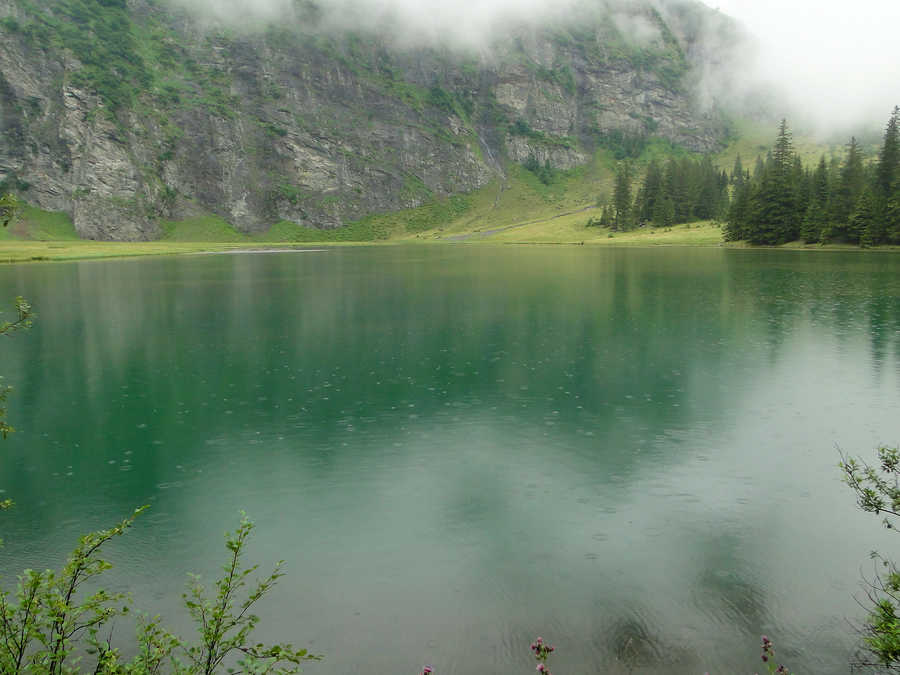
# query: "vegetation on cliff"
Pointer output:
{"type": "Point", "coordinates": [128, 115]}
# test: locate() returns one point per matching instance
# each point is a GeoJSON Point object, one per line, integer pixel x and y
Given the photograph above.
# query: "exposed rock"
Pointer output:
{"type": "Point", "coordinates": [309, 128]}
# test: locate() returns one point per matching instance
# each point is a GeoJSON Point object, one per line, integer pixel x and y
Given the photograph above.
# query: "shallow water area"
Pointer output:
{"type": "Point", "coordinates": [630, 452]}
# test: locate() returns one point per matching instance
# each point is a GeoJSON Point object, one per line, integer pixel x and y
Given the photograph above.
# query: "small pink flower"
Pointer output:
{"type": "Point", "coordinates": [427, 670]}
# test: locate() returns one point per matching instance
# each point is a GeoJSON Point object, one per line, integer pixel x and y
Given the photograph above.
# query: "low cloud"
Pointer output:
{"type": "Point", "coordinates": [637, 28]}
{"type": "Point", "coordinates": [830, 67]}
{"type": "Point", "coordinates": [409, 22]}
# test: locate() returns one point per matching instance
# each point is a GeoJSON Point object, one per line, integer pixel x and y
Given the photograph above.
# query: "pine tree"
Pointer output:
{"type": "Point", "coordinates": [708, 194]}
{"type": "Point", "coordinates": [846, 196]}
{"type": "Point", "coordinates": [607, 219]}
{"type": "Point", "coordinates": [622, 197]}
{"type": "Point", "coordinates": [815, 218]}
{"type": "Point", "coordinates": [773, 211]}
{"type": "Point", "coordinates": [801, 179]}
{"type": "Point", "coordinates": [737, 173]}
{"type": "Point", "coordinates": [758, 167]}
{"type": "Point", "coordinates": [887, 186]}
{"type": "Point", "coordinates": [668, 212]}
{"type": "Point", "coordinates": [724, 197]}
{"type": "Point", "coordinates": [659, 212]}
{"type": "Point", "coordinates": [864, 222]}
{"type": "Point", "coordinates": [677, 189]}
{"type": "Point", "coordinates": [892, 215]}
{"type": "Point", "coordinates": [738, 213]}
{"type": "Point", "coordinates": [889, 158]}
{"type": "Point", "coordinates": [652, 192]}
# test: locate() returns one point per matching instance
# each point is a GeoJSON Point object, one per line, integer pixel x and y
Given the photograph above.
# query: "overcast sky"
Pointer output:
{"type": "Point", "coordinates": [843, 58]}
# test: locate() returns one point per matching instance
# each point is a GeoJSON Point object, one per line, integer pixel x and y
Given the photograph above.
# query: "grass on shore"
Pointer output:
{"type": "Point", "coordinates": [563, 231]}
{"type": "Point", "coordinates": [37, 251]}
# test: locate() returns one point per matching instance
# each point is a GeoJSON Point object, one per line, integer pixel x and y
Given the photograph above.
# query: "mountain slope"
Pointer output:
{"type": "Point", "coordinates": [125, 115]}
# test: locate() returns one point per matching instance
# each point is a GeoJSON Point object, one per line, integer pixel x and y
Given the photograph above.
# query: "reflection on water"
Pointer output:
{"type": "Point", "coordinates": [629, 452]}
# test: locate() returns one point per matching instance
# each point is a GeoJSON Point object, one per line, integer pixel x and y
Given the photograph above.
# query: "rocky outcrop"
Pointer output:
{"type": "Point", "coordinates": [316, 129]}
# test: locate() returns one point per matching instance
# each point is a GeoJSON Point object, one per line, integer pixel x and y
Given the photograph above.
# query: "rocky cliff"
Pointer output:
{"type": "Point", "coordinates": [125, 114]}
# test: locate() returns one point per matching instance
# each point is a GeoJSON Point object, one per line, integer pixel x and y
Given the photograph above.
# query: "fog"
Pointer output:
{"type": "Point", "coordinates": [829, 68]}
{"type": "Point", "coordinates": [469, 25]}
{"type": "Point", "coordinates": [835, 66]}
{"type": "Point", "coordinates": [459, 24]}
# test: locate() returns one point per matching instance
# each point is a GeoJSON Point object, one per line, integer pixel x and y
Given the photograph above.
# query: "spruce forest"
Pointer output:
{"type": "Point", "coordinates": [849, 200]}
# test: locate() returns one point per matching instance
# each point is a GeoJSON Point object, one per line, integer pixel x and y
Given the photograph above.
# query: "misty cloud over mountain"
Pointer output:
{"type": "Point", "coordinates": [834, 65]}
{"type": "Point", "coordinates": [819, 65]}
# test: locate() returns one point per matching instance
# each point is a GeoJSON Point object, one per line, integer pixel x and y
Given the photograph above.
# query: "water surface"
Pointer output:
{"type": "Point", "coordinates": [629, 452]}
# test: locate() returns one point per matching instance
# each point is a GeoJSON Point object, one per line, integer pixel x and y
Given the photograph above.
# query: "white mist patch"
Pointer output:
{"type": "Point", "coordinates": [413, 23]}
{"type": "Point", "coordinates": [235, 10]}
{"type": "Point", "coordinates": [466, 24]}
{"type": "Point", "coordinates": [834, 65]}
{"type": "Point", "coordinates": [827, 67]}
{"type": "Point", "coordinates": [637, 29]}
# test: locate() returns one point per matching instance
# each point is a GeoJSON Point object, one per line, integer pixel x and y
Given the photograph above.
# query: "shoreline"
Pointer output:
{"type": "Point", "coordinates": [24, 251]}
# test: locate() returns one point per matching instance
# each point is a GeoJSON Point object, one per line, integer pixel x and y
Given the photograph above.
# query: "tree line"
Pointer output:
{"type": "Point", "coordinates": [850, 201]}
{"type": "Point", "coordinates": [682, 190]}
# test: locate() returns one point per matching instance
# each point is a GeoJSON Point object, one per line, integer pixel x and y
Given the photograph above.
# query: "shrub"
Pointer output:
{"type": "Point", "coordinates": [877, 491]}
{"type": "Point", "coordinates": [48, 617]}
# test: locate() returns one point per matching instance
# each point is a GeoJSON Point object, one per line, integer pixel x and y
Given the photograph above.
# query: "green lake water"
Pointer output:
{"type": "Point", "coordinates": [631, 453]}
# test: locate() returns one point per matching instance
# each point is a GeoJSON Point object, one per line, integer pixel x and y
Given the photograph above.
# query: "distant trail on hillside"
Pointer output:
{"type": "Point", "coordinates": [489, 233]}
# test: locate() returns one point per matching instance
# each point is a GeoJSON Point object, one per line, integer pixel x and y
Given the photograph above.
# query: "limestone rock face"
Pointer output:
{"type": "Point", "coordinates": [317, 129]}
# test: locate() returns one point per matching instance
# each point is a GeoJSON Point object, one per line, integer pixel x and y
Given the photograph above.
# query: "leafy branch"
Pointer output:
{"type": "Point", "coordinates": [877, 489]}
{"type": "Point", "coordinates": [47, 617]}
{"type": "Point", "coordinates": [225, 623]}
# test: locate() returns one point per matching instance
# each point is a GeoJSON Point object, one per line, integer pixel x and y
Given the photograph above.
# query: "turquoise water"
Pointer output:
{"type": "Point", "coordinates": [629, 452]}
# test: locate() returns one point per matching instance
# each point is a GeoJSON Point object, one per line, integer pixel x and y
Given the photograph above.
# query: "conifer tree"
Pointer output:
{"type": "Point", "coordinates": [889, 158]}
{"type": "Point", "coordinates": [668, 212]}
{"type": "Point", "coordinates": [724, 196]}
{"type": "Point", "coordinates": [848, 200]}
{"type": "Point", "coordinates": [708, 198]}
{"type": "Point", "coordinates": [676, 190]}
{"type": "Point", "coordinates": [815, 217]}
{"type": "Point", "coordinates": [738, 213]}
{"type": "Point", "coordinates": [758, 167]}
{"type": "Point", "coordinates": [887, 186]}
{"type": "Point", "coordinates": [737, 173]}
{"type": "Point", "coordinates": [864, 221]}
{"type": "Point", "coordinates": [849, 188]}
{"type": "Point", "coordinates": [622, 197]}
{"type": "Point", "coordinates": [652, 192]}
{"type": "Point", "coordinates": [772, 213]}
{"type": "Point", "coordinates": [801, 179]}
{"type": "Point", "coordinates": [658, 216]}
{"type": "Point", "coordinates": [892, 215]}
{"type": "Point", "coordinates": [608, 218]}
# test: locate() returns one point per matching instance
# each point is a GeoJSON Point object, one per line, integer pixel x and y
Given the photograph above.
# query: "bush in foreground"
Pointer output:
{"type": "Point", "coordinates": [50, 616]}
{"type": "Point", "coordinates": [877, 489]}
